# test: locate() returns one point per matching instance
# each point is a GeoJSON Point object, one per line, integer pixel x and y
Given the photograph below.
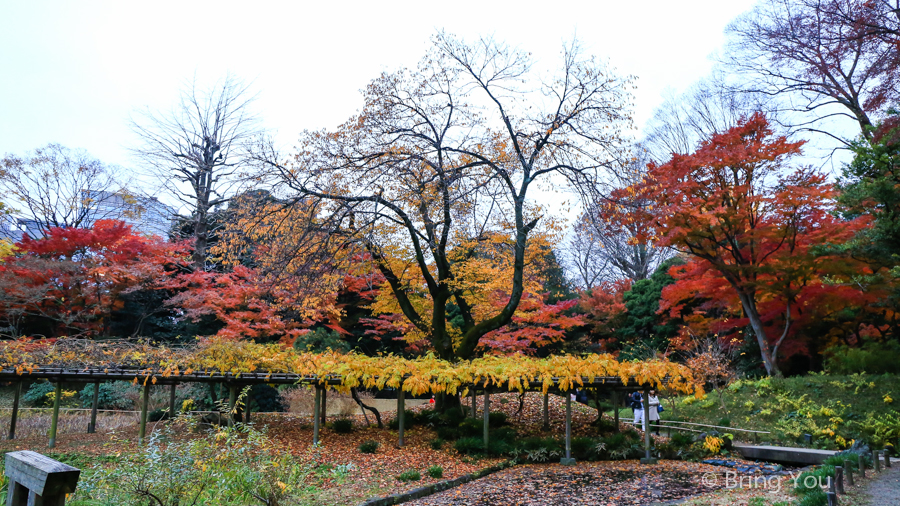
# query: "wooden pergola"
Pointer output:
{"type": "Point", "coordinates": [149, 378]}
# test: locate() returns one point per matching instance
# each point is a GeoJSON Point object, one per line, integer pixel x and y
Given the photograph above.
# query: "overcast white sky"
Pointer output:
{"type": "Point", "coordinates": [73, 71]}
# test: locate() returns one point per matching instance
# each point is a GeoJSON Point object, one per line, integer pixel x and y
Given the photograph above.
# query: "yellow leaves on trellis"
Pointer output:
{"type": "Point", "coordinates": [426, 374]}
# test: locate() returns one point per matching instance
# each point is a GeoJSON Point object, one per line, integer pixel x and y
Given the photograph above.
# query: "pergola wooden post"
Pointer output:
{"type": "Point", "coordinates": [324, 413]}
{"type": "Point", "coordinates": [145, 404]}
{"type": "Point", "coordinates": [55, 420]}
{"type": "Point", "coordinates": [247, 408]}
{"type": "Point", "coordinates": [487, 418]}
{"type": "Point", "coordinates": [568, 460]}
{"type": "Point", "coordinates": [648, 459]}
{"type": "Point", "coordinates": [232, 404]}
{"type": "Point", "coordinates": [172, 410]}
{"type": "Point", "coordinates": [95, 401]}
{"type": "Point", "coordinates": [547, 411]}
{"type": "Point", "coordinates": [474, 404]}
{"type": "Point", "coordinates": [316, 405]}
{"type": "Point", "coordinates": [401, 415]}
{"type": "Point", "coordinates": [615, 396]}
{"type": "Point", "coordinates": [15, 411]}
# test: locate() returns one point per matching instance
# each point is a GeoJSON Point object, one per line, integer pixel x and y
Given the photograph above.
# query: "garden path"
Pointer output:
{"type": "Point", "coordinates": [885, 489]}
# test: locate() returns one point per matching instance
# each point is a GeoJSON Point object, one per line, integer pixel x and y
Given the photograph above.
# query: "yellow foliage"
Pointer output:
{"type": "Point", "coordinates": [426, 374]}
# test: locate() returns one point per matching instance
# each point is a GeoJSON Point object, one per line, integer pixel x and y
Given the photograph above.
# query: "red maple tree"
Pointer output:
{"type": "Point", "coordinates": [750, 221]}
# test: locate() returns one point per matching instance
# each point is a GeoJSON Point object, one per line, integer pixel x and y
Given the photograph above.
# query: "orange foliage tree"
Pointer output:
{"type": "Point", "coordinates": [751, 223]}
{"type": "Point", "coordinates": [446, 156]}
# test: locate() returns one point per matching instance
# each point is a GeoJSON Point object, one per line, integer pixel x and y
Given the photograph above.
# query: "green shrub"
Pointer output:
{"type": "Point", "coordinates": [36, 395]}
{"type": "Point", "coordinates": [469, 445]}
{"type": "Point", "coordinates": [411, 475]}
{"type": "Point", "coordinates": [724, 422]}
{"type": "Point", "coordinates": [453, 417]}
{"type": "Point", "coordinates": [471, 427]}
{"type": "Point", "coordinates": [436, 472]}
{"type": "Point", "coordinates": [342, 426]}
{"type": "Point", "coordinates": [369, 446]}
{"type": "Point", "coordinates": [410, 419]}
{"type": "Point", "coordinates": [681, 440]}
{"type": "Point", "coordinates": [871, 358]}
{"type": "Point", "coordinates": [497, 419]}
{"type": "Point", "coordinates": [583, 448]}
{"type": "Point", "coordinates": [447, 433]}
{"type": "Point", "coordinates": [112, 395]}
{"type": "Point", "coordinates": [507, 434]}
{"type": "Point", "coordinates": [158, 414]}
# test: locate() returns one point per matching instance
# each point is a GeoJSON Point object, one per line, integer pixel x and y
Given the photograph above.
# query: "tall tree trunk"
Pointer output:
{"type": "Point", "coordinates": [749, 304]}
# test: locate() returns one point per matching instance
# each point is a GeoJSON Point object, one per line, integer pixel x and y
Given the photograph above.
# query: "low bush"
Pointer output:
{"type": "Point", "coordinates": [411, 475]}
{"type": "Point", "coordinates": [369, 446]}
{"type": "Point", "coordinates": [447, 433]}
{"type": "Point", "coordinates": [36, 395]}
{"type": "Point", "coordinates": [469, 445]}
{"type": "Point", "coordinates": [436, 444]}
{"type": "Point", "coordinates": [112, 395]}
{"type": "Point", "coordinates": [410, 420]}
{"type": "Point", "coordinates": [497, 419]}
{"type": "Point", "coordinates": [342, 426]}
{"type": "Point", "coordinates": [436, 472]}
{"type": "Point", "coordinates": [871, 358]}
{"type": "Point", "coordinates": [471, 427]}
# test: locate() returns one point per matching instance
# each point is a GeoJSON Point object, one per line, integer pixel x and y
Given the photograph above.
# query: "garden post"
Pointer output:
{"type": "Point", "coordinates": [616, 408]}
{"type": "Point", "coordinates": [401, 415]}
{"type": "Point", "coordinates": [247, 408]}
{"type": "Point", "coordinates": [887, 458]}
{"type": "Point", "coordinates": [849, 474]}
{"type": "Point", "coordinates": [647, 458]}
{"type": "Point", "coordinates": [487, 417]}
{"type": "Point", "coordinates": [95, 401]}
{"type": "Point", "coordinates": [316, 405]}
{"type": "Point", "coordinates": [862, 466]}
{"type": "Point", "coordinates": [324, 413]}
{"type": "Point", "coordinates": [145, 402]}
{"type": "Point", "coordinates": [568, 461]}
{"type": "Point", "coordinates": [15, 411]}
{"type": "Point", "coordinates": [877, 461]}
{"type": "Point", "coordinates": [839, 479]}
{"type": "Point", "coordinates": [474, 403]}
{"type": "Point", "coordinates": [232, 404]}
{"type": "Point", "coordinates": [830, 484]}
{"type": "Point", "coordinates": [172, 410]}
{"type": "Point", "coordinates": [832, 497]}
{"type": "Point", "coordinates": [55, 419]}
{"type": "Point", "coordinates": [546, 411]}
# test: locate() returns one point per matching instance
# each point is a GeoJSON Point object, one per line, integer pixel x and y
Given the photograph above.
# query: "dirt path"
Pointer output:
{"type": "Point", "coordinates": [885, 489]}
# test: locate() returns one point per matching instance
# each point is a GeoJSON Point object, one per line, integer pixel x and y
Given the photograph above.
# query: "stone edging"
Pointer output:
{"type": "Point", "coordinates": [418, 493]}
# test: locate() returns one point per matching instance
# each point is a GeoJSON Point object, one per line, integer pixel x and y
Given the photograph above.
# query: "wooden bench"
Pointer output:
{"type": "Point", "coordinates": [37, 480]}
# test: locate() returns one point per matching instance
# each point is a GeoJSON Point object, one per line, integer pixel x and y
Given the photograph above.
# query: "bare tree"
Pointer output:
{"type": "Point", "coordinates": [199, 151]}
{"type": "Point", "coordinates": [820, 65]}
{"type": "Point", "coordinates": [682, 122]}
{"type": "Point", "coordinates": [55, 186]}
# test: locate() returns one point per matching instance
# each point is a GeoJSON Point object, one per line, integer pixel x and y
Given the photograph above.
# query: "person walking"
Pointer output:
{"type": "Point", "coordinates": [653, 402]}
{"type": "Point", "coordinates": [638, 406]}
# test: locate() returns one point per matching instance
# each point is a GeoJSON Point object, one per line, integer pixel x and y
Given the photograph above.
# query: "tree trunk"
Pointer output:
{"type": "Point", "coordinates": [749, 305]}
{"type": "Point", "coordinates": [364, 406]}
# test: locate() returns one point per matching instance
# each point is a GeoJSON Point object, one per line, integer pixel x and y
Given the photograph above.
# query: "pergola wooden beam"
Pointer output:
{"type": "Point", "coordinates": [233, 381]}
